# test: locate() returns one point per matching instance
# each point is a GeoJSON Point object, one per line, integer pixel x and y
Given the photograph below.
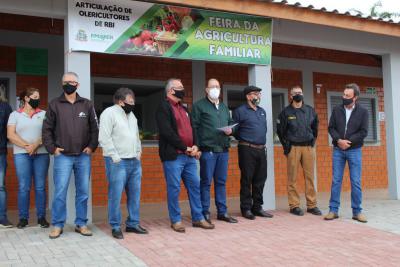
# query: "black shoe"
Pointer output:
{"type": "Point", "coordinates": [315, 211]}
{"type": "Point", "coordinates": [207, 218]}
{"type": "Point", "coordinates": [136, 229]}
{"type": "Point", "coordinates": [117, 233]}
{"type": "Point", "coordinates": [248, 214]}
{"type": "Point", "coordinates": [262, 213]}
{"type": "Point", "coordinates": [43, 223]}
{"type": "Point", "coordinates": [297, 211]}
{"type": "Point", "coordinates": [22, 223]}
{"type": "Point", "coordinates": [226, 218]}
{"type": "Point", "coordinates": [5, 223]}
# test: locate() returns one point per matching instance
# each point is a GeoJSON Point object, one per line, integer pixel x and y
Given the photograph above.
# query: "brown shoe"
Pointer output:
{"type": "Point", "coordinates": [360, 217]}
{"type": "Point", "coordinates": [203, 224]}
{"type": "Point", "coordinates": [55, 232]}
{"type": "Point", "coordinates": [178, 227]}
{"type": "Point", "coordinates": [83, 230]}
{"type": "Point", "coordinates": [331, 216]}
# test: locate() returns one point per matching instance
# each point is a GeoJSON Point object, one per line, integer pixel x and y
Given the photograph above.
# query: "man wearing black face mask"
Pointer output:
{"type": "Point", "coordinates": [70, 132]}
{"type": "Point", "coordinates": [348, 126]}
{"type": "Point", "coordinates": [119, 138]}
{"type": "Point", "coordinates": [251, 133]}
{"type": "Point", "coordinates": [178, 154]}
{"type": "Point", "coordinates": [297, 129]}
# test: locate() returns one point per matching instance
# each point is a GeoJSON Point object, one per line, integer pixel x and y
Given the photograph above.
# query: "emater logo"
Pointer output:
{"type": "Point", "coordinates": [81, 36]}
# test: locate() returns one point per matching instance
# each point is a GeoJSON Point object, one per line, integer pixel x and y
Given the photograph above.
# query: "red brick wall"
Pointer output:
{"type": "Point", "coordinates": [322, 54]}
{"type": "Point", "coordinates": [374, 171]}
{"type": "Point", "coordinates": [23, 23]}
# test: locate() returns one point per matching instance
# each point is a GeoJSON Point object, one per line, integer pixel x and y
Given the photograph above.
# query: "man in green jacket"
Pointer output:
{"type": "Point", "coordinates": [210, 119]}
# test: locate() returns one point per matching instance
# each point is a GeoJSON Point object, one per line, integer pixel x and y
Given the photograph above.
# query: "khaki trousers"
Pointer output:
{"type": "Point", "coordinates": [304, 156]}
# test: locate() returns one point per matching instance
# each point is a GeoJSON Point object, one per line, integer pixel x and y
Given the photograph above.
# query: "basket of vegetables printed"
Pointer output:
{"type": "Point", "coordinates": [160, 32]}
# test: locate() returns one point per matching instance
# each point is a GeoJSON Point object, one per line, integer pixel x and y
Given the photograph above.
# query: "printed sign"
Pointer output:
{"type": "Point", "coordinates": [140, 28]}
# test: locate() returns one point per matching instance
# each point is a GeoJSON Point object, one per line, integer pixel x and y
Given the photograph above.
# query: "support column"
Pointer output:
{"type": "Point", "coordinates": [391, 85]}
{"type": "Point", "coordinates": [198, 79]}
{"type": "Point", "coordinates": [260, 76]}
{"type": "Point", "coordinates": [308, 92]}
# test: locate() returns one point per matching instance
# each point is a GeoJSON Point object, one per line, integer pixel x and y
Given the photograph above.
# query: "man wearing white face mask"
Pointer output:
{"type": "Point", "coordinates": [209, 114]}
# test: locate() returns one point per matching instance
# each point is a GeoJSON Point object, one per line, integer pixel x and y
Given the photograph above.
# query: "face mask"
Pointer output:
{"type": "Point", "coordinates": [347, 101]}
{"type": "Point", "coordinates": [214, 93]}
{"type": "Point", "coordinates": [298, 98]}
{"type": "Point", "coordinates": [34, 103]}
{"type": "Point", "coordinates": [179, 94]}
{"type": "Point", "coordinates": [69, 89]}
{"type": "Point", "coordinates": [128, 108]}
{"type": "Point", "coordinates": [255, 101]}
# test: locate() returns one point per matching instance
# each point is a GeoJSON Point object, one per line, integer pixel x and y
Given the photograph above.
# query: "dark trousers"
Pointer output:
{"type": "Point", "coordinates": [253, 169]}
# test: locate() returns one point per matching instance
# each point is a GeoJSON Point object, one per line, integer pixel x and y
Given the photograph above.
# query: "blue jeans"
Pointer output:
{"type": "Point", "coordinates": [353, 157]}
{"type": "Point", "coordinates": [214, 166]}
{"type": "Point", "coordinates": [63, 166]}
{"type": "Point", "coordinates": [29, 167]}
{"type": "Point", "coordinates": [184, 167]}
{"type": "Point", "coordinates": [3, 193]}
{"type": "Point", "coordinates": [126, 174]}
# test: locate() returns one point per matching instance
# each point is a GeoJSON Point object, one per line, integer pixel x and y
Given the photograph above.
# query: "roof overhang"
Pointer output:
{"type": "Point", "coordinates": [294, 13]}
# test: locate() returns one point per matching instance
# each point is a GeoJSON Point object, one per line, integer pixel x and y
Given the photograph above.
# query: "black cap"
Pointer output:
{"type": "Point", "coordinates": [251, 88]}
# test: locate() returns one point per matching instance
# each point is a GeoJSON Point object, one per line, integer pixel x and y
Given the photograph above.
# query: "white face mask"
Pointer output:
{"type": "Point", "coordinates": [214, 93]}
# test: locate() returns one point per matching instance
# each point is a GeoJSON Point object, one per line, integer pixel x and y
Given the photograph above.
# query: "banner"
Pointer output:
{"type": "Point", "coordinates": [132, 27]}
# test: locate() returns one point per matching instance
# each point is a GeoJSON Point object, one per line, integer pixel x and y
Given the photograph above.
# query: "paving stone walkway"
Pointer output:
{"type": "Point", "coordinates": [285, 240]}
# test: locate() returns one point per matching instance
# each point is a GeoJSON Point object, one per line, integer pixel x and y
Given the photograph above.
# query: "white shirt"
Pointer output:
{"type": "Point", "coordinates": [348, 113]}
{"type": "Point", "coordinates": [119, 134]}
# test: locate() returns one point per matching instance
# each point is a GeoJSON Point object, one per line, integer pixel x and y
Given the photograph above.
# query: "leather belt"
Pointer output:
{"type": "Point", "coordinates": [243, 143]}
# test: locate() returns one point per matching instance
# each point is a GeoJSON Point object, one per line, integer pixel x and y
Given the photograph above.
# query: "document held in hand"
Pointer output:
{"type": "Point", "coordinates": [223, 129]}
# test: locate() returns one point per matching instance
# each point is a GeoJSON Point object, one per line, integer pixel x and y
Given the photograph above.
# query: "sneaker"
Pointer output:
{"type": "Point", "coordinates": [331, 216]}
{"type": "Point", "coordinates": [297, 211]}
{"type": "Point", "coordinates": [5, 223]}
{"type": "Point", "coordinates": [22, 223]}
{"type": "Point", "coordinates": [43, 223]}
{"type": "Point", "coordinates": [314, 211]}
{"type": "Point", "coordinates": [360, 217]}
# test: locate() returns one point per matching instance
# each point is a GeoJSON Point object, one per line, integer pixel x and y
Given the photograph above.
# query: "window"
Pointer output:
{"type": "Point", "coordinates": [233, 97]}
{"type": "Point", "coordinates": [370, 102]}
{"type": "Point", "coordinates": [148, 95]}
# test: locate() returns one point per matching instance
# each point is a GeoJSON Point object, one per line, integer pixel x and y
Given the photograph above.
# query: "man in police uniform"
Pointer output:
{"type": "Point", "coordinates": [297, 129]}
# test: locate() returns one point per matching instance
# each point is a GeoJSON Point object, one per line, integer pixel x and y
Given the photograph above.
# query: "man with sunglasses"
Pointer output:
{"type": "Point", "coordinates": [297, 129]}
{"type": "Point", "coordinates": [70, 132]}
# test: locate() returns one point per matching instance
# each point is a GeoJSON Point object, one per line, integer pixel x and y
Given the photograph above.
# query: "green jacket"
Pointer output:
{"type": "Point", "coordinates": [206, 119]}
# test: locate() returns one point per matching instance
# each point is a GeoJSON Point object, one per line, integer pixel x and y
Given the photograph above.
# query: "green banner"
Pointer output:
{"type": "Point", "coordinates": [32, 61]}
{"type": "Point", "coordinates": [185, 33]}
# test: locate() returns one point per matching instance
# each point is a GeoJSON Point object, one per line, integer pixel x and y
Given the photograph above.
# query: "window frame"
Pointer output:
{"type": "Point", "coordinates": [378, 140]}
{"type": "Point", "coordinates": [274, 90]}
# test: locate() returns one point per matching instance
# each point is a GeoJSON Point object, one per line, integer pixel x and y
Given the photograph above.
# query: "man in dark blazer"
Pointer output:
{"type": "Point", "coordinates": [348, 127]}
{"type": "Point", "coordinates": [178, 155]}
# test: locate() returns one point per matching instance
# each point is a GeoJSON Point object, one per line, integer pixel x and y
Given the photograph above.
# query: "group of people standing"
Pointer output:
{"type": "Point", "coordinates": [70, 131]}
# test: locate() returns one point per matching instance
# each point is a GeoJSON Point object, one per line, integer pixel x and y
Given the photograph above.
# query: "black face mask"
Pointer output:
{"type": "Point", "coordinates": [34, 103]}
{"type": "Point", "coordinates": [128, 108]}
{"type": "Point", "coordinates": [298, 98]}
{"type": "Point", "coordinates": [347, 101]}
{"type": "Point", "coordinates": [69, 89]}
{"type": "Point", "coordinates": [179, 94]}
{"type": "Point", "coordinates": [255, 101]}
